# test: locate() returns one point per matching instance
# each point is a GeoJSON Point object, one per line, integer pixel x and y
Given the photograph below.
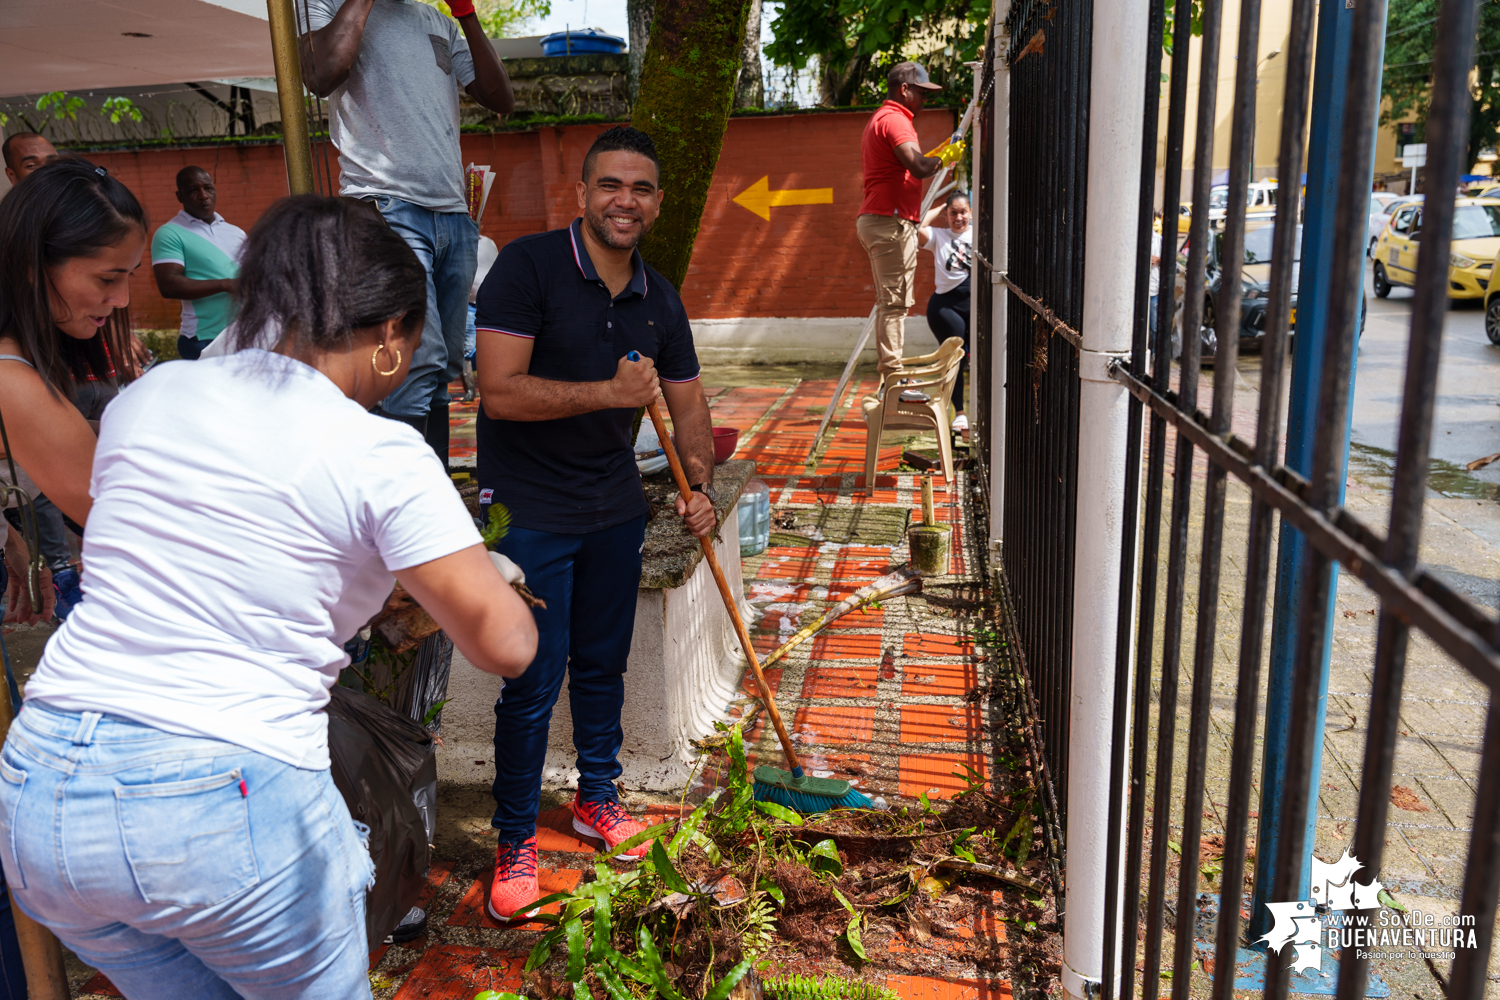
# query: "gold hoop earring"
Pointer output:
{"type": "Point", "coordinates": [394, 368]}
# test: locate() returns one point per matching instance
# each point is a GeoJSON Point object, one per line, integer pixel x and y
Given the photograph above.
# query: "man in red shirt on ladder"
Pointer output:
{"type": "Point", "coordinates": [894, 169]}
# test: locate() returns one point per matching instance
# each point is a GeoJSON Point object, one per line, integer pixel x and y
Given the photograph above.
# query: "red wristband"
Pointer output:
{"type": "Point", "coordinates": [461, 8]}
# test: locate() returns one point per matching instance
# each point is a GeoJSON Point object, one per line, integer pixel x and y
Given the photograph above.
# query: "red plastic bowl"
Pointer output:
{"type": "Point", "coordinates": [726, 440]}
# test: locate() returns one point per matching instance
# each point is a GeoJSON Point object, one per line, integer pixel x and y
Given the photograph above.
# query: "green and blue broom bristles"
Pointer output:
{"type": "Point", "coordinates": [795, 790]}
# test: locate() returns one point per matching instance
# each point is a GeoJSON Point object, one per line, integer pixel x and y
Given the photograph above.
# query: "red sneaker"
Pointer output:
{"type": "Point", "coordinates": [515, 882]}
{"type": "Point", "coordinates": [610, 822]}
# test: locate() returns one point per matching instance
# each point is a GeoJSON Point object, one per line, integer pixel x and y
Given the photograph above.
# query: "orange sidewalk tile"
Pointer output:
{"type": "Point", "coordinates": [929, 644]}
{"type": "Point", "coordinates": [842, 681]}
{"type": "Point", "coordinates": [940, 775]}
{"type": "Point", "coordinates": [950, 680]}
{"type": "Point", "coordinates": [457, 972]}
{"type": "Point", "coordinates": [847, 647]}
{"type": "Point", "coordinates": [834, 724]}
{"type": "Point", "coordinates": [941, 724]}
{"type": "Point", "coordinates": [924, 988]}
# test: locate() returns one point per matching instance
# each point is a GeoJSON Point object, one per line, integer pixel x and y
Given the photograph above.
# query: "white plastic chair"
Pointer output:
{"type": "Point", "coordinates": [931, 374]}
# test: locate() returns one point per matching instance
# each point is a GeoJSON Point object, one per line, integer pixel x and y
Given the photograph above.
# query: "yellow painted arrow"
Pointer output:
{"type": "Point", "coordinates": [760, 199]}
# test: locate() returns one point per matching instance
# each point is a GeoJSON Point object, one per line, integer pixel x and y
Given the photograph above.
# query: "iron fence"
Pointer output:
{"type": "Point", "coordinates": [1158, 778]}
{"type": "Point", "coordinates": [1048, 55]}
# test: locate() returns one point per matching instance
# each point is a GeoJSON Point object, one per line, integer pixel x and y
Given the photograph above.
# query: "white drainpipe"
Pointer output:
{"type": "Point", "coordinates": [1117, 95]}
{"type": "Point", "coordinates": [997, 161]}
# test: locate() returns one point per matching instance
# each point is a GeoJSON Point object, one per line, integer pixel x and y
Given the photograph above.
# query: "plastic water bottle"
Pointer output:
{"type": "Point", "coordinates": [755, 518]}
{"type": "Point", "coordinates": [762, 516]}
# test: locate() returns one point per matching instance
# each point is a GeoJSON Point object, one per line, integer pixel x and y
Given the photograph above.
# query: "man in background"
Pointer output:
{"type": "Point", "coordinates": [894, 169]}
{"type": "Point", "coordinates": [195, 257]}
{"type": "Point", "coordinates": [391, 73]}
{"type": "Point", "coordinates": [25, 152]}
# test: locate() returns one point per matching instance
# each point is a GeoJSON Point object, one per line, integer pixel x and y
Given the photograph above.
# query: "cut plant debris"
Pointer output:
{"type": "Point", "coordinates": [744, 898]}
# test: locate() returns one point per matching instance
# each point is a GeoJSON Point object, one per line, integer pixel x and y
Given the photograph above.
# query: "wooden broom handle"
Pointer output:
{"type": "Point", "coordinates": [41, 952]}
{"type": "Point", "coordinates": [707, 541]}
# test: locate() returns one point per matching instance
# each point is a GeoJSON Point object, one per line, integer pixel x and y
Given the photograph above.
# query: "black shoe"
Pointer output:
{"type": "Point", "coordinates": [412, 926]}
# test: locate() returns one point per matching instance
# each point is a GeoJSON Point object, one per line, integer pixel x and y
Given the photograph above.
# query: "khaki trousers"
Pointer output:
{"type": "Point", "coordinates": [891, 242]}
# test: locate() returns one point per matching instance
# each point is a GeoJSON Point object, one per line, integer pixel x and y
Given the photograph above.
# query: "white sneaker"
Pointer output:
{"type": "Point", "coordinates": [960, 424]}
{"type": "Point", "coordinates": [914, 396]}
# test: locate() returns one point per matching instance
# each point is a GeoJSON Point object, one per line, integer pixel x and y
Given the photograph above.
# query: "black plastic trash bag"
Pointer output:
{"type": "Point", "coordinates": [383, 765]}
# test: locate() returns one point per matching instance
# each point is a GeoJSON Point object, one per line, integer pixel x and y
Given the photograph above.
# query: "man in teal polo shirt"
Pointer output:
{"type": "Point", "coordinates": [195, 258]}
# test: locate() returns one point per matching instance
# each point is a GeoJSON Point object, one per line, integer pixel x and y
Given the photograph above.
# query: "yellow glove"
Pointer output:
{"type": "Point", "coordinates": [951, 153]}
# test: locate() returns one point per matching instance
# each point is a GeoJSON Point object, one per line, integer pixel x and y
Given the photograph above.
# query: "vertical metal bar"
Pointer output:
{"type": "Point", "coordinates": [1119, 927]}
{"type": "Point", "coordinates": [284, 53]}
{"type": "Point", "coordinates": [1167, 712]}
{"type": "Point", "coordinates": [1469, 976]}
{"type": "Point", "coordinates": [1262, 518]}
{"type": "Point", "coordinates": [1324, 485]}
{"type": "Point", "coordinates": [1448, 134]}
{"type": "Point", "coordinates": [1182, 494]}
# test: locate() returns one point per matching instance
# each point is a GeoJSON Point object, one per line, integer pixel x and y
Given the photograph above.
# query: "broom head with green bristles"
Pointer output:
{"type": "Point", "coordinates": [795, 790]}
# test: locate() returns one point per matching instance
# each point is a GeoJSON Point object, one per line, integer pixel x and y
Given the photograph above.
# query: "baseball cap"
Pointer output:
{"type": "Point", "coordinates": [910, 73]}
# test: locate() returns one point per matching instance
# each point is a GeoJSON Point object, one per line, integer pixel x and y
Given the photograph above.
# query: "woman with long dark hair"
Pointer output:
{"type": "Point", "coordinates": [166, 805]}
{"type": "Point", "coordinates": [70, 237]}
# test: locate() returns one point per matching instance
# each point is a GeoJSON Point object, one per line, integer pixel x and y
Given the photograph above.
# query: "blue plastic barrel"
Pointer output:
{"type": "Point", "coordinates": [582, 42]}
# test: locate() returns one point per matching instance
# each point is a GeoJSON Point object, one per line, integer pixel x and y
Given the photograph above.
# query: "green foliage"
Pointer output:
{"type": "Point", "coordinates": [855, 42]}
{"type": "Point", "coordinates": [687, 88]}
{"type": "Point", "coordinates": [503, 18]}
{"type": "Point", "coordinates": [497, 527]}
{"type": "Point", "coordinates": [1410, 37]}
{"type": "Point", "coordinates": [117, 109]}
{"type": "Point", "coordinates": [59, 106]}
{"type": "Point", "coordinates": [1169, 26]}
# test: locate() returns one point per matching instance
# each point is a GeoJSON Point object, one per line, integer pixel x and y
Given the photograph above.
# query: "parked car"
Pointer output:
{"type": "Point", "coordinates": [1260, 199]}
{"type": "Point", "coordinates": [1255, 287]}
{"type": "Point", "coordinates": [1492, 309]}
{"type": "Point", "coordinates": [1380, 201]}
{"type": "Point", "coordinates": [1388, 209]}
{"type": "Point", "coordinates": [1476, 240]}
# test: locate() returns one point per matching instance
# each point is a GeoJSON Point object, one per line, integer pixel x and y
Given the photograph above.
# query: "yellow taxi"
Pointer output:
{"type": "Point", "coordinates": [1476, 241]}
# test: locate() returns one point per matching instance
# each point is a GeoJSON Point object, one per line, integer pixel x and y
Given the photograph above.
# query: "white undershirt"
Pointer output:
{"type": "Point", "coordinates": [226, 562]}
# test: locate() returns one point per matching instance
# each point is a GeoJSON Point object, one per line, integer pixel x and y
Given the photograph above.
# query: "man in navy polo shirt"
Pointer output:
{"type": "Point", "coordinates": [557, 316]}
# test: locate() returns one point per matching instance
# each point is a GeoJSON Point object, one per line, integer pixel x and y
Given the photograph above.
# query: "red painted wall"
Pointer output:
{"type": "Point", "coordinates": [806, 261]}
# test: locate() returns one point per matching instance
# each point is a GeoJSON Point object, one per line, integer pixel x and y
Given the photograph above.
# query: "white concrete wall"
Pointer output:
{"type": "Point", "coordinates": [780, 340]}
{"type": "Point", "coordinates": [684, 670]}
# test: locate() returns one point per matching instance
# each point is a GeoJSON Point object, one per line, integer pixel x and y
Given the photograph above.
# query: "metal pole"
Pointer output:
{"type": "Point", "coordinates": [1116, 134]}
{"type": "Point", "coordinates": [999, 165]}
{"type": "Point", "coordinates": [1325, 176]}
{"type": "Point", "coordinates": [285, 54]}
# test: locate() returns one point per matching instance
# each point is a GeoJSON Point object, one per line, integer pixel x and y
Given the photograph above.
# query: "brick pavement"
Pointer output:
{"type": "Point", "coordinates": [879, 700]}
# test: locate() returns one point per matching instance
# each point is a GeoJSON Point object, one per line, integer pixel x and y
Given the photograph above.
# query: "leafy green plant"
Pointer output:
{"type": "Point", "coordinates": [59, 106]}
{"type": "Point", "coordinates": [497, 527]}
{"type": "Point", "coordinates": [117, 109]}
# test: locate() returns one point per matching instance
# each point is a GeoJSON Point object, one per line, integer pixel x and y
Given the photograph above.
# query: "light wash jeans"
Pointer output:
{"type": "Point", "coordinates": [180, 866]}
{"type": "Point", "coordinates": [447, 244]}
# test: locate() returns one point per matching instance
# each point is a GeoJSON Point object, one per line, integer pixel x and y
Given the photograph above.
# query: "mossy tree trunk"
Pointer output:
{"type": "Point", "coordinates": [687, 89]}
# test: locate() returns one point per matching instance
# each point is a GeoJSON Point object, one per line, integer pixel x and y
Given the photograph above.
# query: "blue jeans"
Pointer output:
{"type": "Point", "coordinates": [180, 866]}
{"type": "Point", "coordinates": [447, 244]}
{"type": "Point", "coordinates": [590, 583]}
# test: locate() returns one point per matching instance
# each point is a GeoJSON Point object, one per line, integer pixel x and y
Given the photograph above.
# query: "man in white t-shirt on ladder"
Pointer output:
{"type": "Point", "coordinates": [391, 70]}
{"type": "Point", "coordinates": [952, 251]}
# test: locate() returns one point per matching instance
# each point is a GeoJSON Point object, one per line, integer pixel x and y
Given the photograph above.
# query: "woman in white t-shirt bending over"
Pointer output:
{"type": "Point", "coordinates": [948, 309]}
{"type": "Point", "coordinates": [166, 806]}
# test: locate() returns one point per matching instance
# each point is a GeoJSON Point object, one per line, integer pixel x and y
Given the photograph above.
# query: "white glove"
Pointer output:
{"type": "Point", "coordinates": [509, 570]}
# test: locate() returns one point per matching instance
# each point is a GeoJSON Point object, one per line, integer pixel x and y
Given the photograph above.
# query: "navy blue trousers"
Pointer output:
{"type": "Point", "coordinates": [589, 582]}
